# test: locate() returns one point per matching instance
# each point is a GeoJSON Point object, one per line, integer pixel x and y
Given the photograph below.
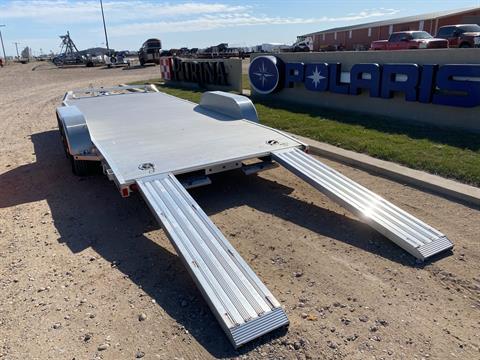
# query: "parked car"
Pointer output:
{"type": "Point", "coordinates": [404, 40]}
{"type": "Point", "coordinates": [462, 36]}
{"type": "Point", "coordinates": [150, 52]}
{"type": "Point", "coordinates": [301, 47]}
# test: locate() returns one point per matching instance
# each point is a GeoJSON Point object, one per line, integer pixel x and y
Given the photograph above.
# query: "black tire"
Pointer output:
{"type": "Point", "coordinates": [80, 167]}
{"type": "Point", "coordinates": [84, 168]}
{"type": "Point", "coordinates": [142, 62]}
{"type": "Point", "coordinates": [89, 64]}
{"type": "Point", "coordinates": [63, 138]}
{"type": "Point", "coordinates": [465, 46]}
{"type": "Point", "coordinates": [65, 146]}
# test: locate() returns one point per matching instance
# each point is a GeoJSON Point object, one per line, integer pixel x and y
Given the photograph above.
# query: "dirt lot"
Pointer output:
{"type": "Point", "coordinates": [79, 264]}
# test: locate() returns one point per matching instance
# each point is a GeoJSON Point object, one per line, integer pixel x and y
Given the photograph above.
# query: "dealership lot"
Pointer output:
{"type": "Point", "coordinates": [80, 266]}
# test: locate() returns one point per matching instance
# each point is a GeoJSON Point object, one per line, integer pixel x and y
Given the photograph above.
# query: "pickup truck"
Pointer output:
{"type": "Point", "coordinates": [404, 40]}
{"type": "Point", "coordinates": [150, 52]}
{"type": "Point", "coordinates": [461, 36]}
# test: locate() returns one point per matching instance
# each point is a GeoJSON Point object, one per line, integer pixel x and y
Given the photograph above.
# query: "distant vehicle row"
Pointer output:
{"type": "Point", "coordinates": [462, 36]}
{"type": "Point", "coordinates": [151, 50]}
{"type": "Point", "coordinates": [467, 35]}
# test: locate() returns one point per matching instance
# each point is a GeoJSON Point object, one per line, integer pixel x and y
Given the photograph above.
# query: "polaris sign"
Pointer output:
{"type": "Point", "coordinates": [451, 84]}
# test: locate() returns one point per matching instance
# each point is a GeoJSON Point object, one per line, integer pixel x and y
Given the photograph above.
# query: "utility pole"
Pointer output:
{"type": "Point", "coordinates": [3, 47]}
{"type": "Point", "coordinates": [104, 28]}
{"type": "Point", "coordinates": [16, 47]}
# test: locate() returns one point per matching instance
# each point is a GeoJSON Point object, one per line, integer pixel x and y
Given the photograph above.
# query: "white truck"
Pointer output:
{"type": "Point", "coordinates": [145, 141]}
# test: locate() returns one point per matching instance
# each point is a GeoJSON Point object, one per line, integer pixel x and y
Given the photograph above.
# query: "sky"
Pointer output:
{"type": "Point", "coordinates": [190, 23]}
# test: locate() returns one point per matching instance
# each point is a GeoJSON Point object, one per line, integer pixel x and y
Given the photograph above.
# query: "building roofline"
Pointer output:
{"type": "Point", "coordinates": [419, 17]}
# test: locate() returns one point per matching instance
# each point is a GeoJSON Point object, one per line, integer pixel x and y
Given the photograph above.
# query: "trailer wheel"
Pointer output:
{"type": "Point", "coordinates": [65, 147]}
{"type": "Point", "coordinates": [63, 138]}
{"type": "Point", "coordinates": [84, 168]}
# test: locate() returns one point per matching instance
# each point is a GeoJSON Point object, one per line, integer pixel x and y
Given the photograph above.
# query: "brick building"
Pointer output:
{"type": "Point", "coordinates": [359, 37]}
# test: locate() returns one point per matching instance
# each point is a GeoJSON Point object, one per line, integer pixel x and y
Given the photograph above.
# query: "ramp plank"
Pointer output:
{"type": "Point", "coordinates": [242, 304]}
{"type": "Point", "coordinates": [408, 232]}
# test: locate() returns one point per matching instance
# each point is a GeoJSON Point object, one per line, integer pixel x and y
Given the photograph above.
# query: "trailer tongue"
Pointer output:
{"type": "Point", "coordinates": [146, 140]}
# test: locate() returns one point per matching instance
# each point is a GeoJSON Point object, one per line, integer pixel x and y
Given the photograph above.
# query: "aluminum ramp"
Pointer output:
{"type": "Point", "coordinates": [242, 304]}
{"type": "Point", "coordinates": [408, 232]}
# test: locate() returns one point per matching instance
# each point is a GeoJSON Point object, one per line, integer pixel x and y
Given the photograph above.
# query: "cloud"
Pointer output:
{"type": "Point", "coordinates": [228, 20]}
{"type": "Point", "coordinates": [137, 17]}
{"type": "Point", "coordinates": [141, 18]}
{"type": "Point", "coordinates": [56, 11]}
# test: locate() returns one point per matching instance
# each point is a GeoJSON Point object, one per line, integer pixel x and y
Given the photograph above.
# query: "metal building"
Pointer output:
{"type": "Point", "coordinates": [359, 37]}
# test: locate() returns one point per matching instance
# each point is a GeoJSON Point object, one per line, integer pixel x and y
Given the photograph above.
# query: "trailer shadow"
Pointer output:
{"type": "Point", "coordinates": [234, 189]}
{"type": "Point", "coordinates": [88, 212]}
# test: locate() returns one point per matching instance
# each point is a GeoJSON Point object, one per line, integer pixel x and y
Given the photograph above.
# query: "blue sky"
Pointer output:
{"type": "Point", "coordinates": [37, 23]}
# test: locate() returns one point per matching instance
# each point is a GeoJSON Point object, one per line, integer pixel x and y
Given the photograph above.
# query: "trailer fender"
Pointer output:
{"type": "Point", "coordinates": [74, 129]}
{"type": "Point", "coordinates": [232, 105]}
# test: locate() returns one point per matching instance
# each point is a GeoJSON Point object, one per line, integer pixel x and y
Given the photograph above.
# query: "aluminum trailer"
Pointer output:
{"type": "Point", "coordinates": [160, 145]}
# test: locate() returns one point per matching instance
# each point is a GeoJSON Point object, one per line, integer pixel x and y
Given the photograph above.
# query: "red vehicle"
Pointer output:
{"type": "Point", "coordinates": [461, 36]}
{"type": "Point", "coordinates": [404, 40]}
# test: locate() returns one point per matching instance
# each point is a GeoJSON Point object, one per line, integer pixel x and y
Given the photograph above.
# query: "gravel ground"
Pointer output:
{"type": "Point", "coordinates": [85, 274]}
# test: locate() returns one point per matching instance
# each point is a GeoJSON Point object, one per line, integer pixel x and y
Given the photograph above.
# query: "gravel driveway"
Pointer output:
{"type": "Point", "coordinates": [85, 274]}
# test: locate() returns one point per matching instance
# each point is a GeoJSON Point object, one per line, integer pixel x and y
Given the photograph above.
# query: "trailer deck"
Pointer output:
{"type": "Point", "coordinates": [181, 137]}
{"type": "Point", "coordinates": [145, 140]}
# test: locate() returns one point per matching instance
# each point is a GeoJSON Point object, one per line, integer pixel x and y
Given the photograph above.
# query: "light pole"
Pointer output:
{"type": "Point", "coordinates": [3, 47]}
{"type": "Point", "coordinates": [105, 28]}
{"type": "Point", "coordinates": [16, 47]}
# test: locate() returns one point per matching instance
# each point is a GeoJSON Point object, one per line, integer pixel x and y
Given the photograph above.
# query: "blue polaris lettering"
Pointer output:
{"type": "Point", "coordinates": [453, 85]}
{"type": "Point", "coordinates": [427, 83]}
{"type": "Point", "coordinates": [357, 82]}
{"type": "Point", "coordinates": [409, 86]}
{"type": "Point", "coordinates": [470, 89]}
{"type": "Point", "coordinates": [334, 79]}
{"type": "Point", "coordinates": [316, 77]}
{"type": "Point", "coordinates": [293, 74]}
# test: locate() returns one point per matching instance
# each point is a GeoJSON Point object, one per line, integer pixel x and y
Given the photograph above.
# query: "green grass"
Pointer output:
{"type": "Point", "coordinates": [448, 153]}
{"type": "Point", "coordinates": [245, 82]}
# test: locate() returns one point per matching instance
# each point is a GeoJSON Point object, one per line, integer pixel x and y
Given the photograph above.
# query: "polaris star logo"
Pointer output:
{"type": "Point", "coordinates": [264, 74]}
{"type": "Point", "coordinates": [316, 77]}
